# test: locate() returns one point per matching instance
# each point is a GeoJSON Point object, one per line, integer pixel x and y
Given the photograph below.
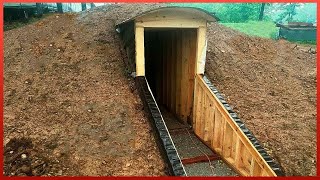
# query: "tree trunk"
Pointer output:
{"type": "Point", "coordinates": [261, 11]}
{"type": "Point", "coordinates": [39, 9]}
{"type": "Point", "coordinates": [59, 7]}
{"type": "Point", "coordinates": [83, 6]}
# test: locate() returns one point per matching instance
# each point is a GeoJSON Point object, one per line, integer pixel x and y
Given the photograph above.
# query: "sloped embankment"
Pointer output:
{"type": "Point", "coordinates": [67, 91]}
{"type": "Point", "coordinates": [272, 86]}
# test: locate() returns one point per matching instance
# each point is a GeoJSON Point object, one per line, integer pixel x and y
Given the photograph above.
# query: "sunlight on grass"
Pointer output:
{"type": "Point", "coordinates": [265, 29]}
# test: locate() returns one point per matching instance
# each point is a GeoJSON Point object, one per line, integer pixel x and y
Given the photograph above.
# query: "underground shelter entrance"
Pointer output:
{"type": "Point", "coordinates": [170, 56]}
{"type": "Point", "coordinates": [198, 131]}
{"type": "Point", "coordinates": [170, 49]}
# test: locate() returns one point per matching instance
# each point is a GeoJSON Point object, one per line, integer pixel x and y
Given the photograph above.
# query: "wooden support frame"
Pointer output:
{"type": "Point", "coordinates": [201, 49]}
{"type": "Point", "coordinates": [140, 59]}
{"type": "Point", "coordinates": [227, 138]}
{"type": "Point", "coordinates": [186, 94]}
{"type": "Point", "coordinates": [179, 100]}
{"type": "Point", "coordinates": [175, 52]}
{"type": "Point", "coordinates": [170, 22]}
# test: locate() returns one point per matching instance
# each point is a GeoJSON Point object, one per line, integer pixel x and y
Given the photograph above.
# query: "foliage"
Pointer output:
{"type": "Point", "coordinates": [289, 11]}
{"type": "Point", "coordinates": [239, 12]}
{"type": "Point", "coordinates": [307, 12]}
{"type": "Point", "coordinates": [228, 12]}
{"type": "Point", "coordinates": [285, 12]}
{"type": "Point", "coordinates": [244, 12]}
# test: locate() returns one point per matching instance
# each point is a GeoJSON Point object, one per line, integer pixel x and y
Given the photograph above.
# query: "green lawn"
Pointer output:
{"type": "Point", "coordinates": [265, 29]}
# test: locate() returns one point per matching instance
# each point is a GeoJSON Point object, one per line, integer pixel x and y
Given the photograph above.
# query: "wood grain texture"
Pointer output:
{"type": "Point", "coordinates": [227, 139]}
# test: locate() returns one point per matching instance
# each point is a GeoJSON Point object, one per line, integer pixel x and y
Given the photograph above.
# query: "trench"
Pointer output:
{"type": "Point", "coordinates": [209, 138]}
{"type": "Point", "coordinates": [170, 56]}
{"type": "Point", "coordinates": [198, 133]}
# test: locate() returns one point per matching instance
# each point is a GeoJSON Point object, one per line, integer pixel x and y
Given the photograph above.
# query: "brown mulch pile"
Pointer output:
{"type": "Point", "coordinates": [272, 86]}
{"type": "Point", "coordinates": [67, 91]}
{"type": "Point", "coordinates": [21, 159]}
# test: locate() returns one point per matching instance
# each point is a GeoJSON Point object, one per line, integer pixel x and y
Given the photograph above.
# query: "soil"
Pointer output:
{"type": "Point", "coordinates": [272, 87]}
{"type": "Point", "coordinates": [67, 92]}
{"type": "Point", "coordinates": [70, 98]}
{"type": "Point", "coordinates": [22, 160]}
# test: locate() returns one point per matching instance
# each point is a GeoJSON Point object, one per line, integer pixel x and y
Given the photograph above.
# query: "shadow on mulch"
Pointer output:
{"type": "Point", "coordinates": [21, 159]}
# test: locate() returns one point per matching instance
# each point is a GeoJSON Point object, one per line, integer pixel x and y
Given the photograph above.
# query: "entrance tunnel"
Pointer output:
{"type": "Point", "coordinates": [166, 49]}
{"type": "Point", "coordinates": [170, 65]}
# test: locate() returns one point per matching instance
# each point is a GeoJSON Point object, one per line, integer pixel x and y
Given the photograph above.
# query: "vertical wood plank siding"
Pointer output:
{"type": "Point", "coordinates": [227, 136]}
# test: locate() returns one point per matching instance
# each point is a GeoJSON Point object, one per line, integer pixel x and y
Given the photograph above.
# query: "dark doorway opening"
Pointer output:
{"type": "Point", "coordinates": [170, 57]}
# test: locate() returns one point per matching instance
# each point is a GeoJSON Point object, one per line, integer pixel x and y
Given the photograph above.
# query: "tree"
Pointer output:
{"type": "Point", "coordinates": [238, 12]}
{"type": "Point", "coordinates": [261, 11]}
{"type": "Point", "coordinates": [289, 11]}
{"type": "Point", "coordinates": [83, 6]}
{"type": "Point", "coordinates": [39, 9]}
{"type": "Point", "coordinates": [59, 7]}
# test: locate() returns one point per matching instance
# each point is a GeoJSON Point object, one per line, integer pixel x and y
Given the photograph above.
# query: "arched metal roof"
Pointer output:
{"type": "Point", "coordinates": [191, 12]}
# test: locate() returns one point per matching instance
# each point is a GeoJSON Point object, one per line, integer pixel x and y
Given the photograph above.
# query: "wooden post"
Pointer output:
{"type": "Point", "coordinates": [140, 61]}
{"type": "Point", "coordinates": [201, 49]}
{"type": "Point", "coordinates": [59, 7]}
{"type": "Point", "coordinates": [179, 72]}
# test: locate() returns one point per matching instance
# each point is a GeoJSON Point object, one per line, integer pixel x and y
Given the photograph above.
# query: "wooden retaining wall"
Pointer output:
{"type": "Point", "coordinates": [226, 134]}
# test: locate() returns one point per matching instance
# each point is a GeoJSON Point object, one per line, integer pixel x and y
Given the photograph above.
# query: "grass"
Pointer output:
{"type": "Point", "coordinates": [265, 29]}
{"type": "Point", "coordinates": [306, 43]}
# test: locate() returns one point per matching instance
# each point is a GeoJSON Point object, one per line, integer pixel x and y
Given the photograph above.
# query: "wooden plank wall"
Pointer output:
{"type": "Point", "coordinates": [174, 74]}
{"type": "Point", "coordinates": [213, 124]}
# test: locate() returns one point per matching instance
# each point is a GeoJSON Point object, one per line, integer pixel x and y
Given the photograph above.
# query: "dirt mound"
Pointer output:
{"type": "Point", "coordinates": [121, 12]}
{"type": "Point", "coordinates": [272, 86]}
{"type": "Point", "coordinates": [66, 88]}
